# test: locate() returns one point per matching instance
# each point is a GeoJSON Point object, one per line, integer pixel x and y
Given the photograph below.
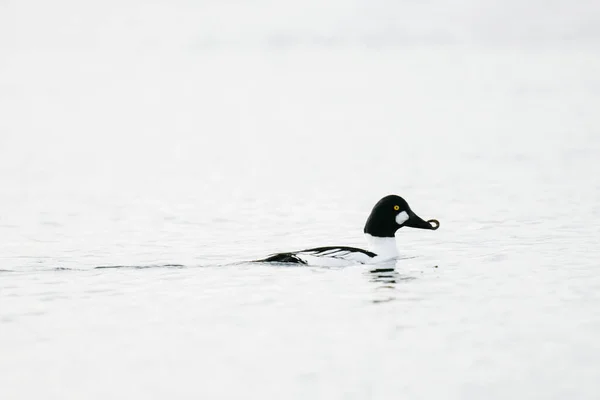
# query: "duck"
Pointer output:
{"type": "Point", "coordinates": [388, 215]}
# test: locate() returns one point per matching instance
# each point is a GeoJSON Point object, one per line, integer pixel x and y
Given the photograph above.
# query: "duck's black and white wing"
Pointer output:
{"type": "Point", "coordinates": [332, 256]}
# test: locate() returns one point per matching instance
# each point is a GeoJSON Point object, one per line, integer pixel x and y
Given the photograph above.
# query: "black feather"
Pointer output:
{"type": "Point", "coordinates": [283, 258]}
{"type": "Point", "coordinates": [292, 257]}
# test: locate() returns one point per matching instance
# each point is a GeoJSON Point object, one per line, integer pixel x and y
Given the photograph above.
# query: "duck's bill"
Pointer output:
{"type": "Point", "coordinates": [417, 222]}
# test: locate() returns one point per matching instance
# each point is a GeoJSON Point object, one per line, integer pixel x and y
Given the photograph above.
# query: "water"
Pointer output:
{"type": "Point", "coordinates": [173, 153]}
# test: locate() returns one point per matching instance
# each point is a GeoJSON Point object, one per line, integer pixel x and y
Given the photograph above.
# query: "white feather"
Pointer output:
{"type": "Point", "coordinates": [341, 259]}
{"type": "Point", "coordinates": [384, 247]}
{"type": "Point", "coordinates": [402, 217]}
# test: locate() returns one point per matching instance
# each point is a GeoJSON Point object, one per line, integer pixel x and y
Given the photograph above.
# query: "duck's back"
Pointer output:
{"type": "Point", "coordinates": [324, 256]}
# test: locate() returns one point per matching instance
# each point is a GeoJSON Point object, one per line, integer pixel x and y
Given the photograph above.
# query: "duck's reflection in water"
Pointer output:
{"type": "Point", "coordinates": [388, 277]}
{"type": "Point", "coordinates": [386, 280]}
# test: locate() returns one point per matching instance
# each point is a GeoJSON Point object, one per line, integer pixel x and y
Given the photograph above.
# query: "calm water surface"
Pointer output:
{"type": "Point", "coordinates": [175, 166]}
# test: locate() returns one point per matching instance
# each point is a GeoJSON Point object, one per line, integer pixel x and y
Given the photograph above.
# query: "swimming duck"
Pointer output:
{"type": "Point", "coordinates": [388, 215]}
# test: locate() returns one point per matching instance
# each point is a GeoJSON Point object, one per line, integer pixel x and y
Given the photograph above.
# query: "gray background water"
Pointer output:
{"type": "Point", "coordinates": [205, 134]}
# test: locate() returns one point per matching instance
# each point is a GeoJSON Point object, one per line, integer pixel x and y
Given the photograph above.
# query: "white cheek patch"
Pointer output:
{"type": "Point", "coordinates": [401, 217]}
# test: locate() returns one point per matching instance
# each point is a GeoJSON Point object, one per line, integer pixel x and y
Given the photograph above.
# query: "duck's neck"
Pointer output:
{"type": "Point", "coordinates": [382, 246]}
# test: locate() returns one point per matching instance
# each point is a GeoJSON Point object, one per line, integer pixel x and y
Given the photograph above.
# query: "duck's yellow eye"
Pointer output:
{"type": "Point", "coordinates": [396, 208]}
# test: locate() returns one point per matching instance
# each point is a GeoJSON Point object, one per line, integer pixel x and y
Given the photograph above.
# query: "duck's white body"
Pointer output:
{"type": "Point", "coordinates": [334, 257]}
{"type": "Point", "coordinates": [380, 250]}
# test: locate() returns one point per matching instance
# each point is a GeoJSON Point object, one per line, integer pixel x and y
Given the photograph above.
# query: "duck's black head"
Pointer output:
{"type": "Point", "coordinates": [392, 213]}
